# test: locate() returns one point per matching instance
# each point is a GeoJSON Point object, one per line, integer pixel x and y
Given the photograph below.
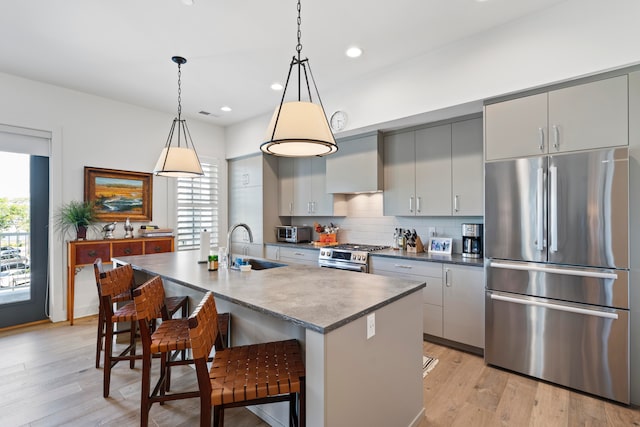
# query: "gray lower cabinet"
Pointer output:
{"type": "Point", "coordinates": [292, 255]}
{"type": "Point", "coordinates": [464, 304]}
{"type": "Point", "coordinates": [431, 273]}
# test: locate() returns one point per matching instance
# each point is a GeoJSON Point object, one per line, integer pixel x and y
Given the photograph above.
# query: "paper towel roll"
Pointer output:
{"type": "Point", "coordinates": [205, 246]}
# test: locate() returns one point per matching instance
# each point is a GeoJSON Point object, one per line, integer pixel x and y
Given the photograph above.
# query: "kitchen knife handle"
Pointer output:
{"type": "Point", "coordinates": [541, 139]}
{"type": "Point", "coordinates": [556, 137]}
{"type": "Point", "coordinates": [411, 204]}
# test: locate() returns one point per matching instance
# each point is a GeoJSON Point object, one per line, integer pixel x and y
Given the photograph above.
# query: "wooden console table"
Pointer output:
{"type": "Point", "coordinates": [85, 252]}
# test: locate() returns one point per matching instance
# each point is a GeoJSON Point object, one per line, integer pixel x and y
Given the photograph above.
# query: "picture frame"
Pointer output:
{"type": "Point", "coordinates": [119, 194]}
{"type": "Point", "coordinates": [440, 245]}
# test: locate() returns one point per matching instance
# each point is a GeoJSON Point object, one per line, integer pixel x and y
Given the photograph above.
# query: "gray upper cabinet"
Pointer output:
{"type": "Point", "coordinates": [357, 166]}
{"type": "Point", "coordinates": [302, 188]}
{"type": "Point", "coordinates": [253, 182]}
{"type": "Point", "coordinates": [467, 168]}
{"type": "Point", "coordinates": [399, 174]}
{"type": "Point", "coordinates": [434, 171]}
{"type": "Point", "coordinates": [585, 116]}
{"type": "Point", "coordinates": [285, 186]}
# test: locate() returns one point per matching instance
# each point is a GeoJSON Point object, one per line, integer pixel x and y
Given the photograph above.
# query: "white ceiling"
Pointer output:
{"type": "Point", "coordinates": [122, 49]}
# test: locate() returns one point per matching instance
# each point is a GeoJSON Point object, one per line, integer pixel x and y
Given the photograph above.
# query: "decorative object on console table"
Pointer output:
{"type": "Point", "coordinates": [75, 215]}
{"type": "Point", "coordinates": [118, 195]}
{"type": "Point", "coordinates": [128, 229]}
{"type": "Point", "coordinates": [440, 245]}
{"type": "Point", "coordinates": [81, 253]}
{"type": "Point", "coordinates": [155, 232]}
{"type": "Point", "coordinates": [108, 230]}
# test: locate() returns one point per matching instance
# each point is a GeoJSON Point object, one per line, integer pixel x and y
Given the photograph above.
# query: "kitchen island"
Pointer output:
{"type": "Point", "coordinates": [351, 379]}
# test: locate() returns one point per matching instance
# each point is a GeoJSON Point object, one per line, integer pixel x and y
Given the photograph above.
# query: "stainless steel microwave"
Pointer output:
{"type": "Point", "coordinates": [293, 234]}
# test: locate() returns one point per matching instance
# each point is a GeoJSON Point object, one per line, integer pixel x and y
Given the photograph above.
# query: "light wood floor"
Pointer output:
{"type": "Point", "coordinates": [48, 378]}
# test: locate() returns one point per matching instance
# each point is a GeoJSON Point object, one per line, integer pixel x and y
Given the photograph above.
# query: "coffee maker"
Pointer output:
{"type": "Point", "coordinates": [472, 240]}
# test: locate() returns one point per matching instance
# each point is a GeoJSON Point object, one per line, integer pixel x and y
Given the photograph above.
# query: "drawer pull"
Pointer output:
{"type": "Point", "coordinates": [157, 248]}
{"type": "Point", "coordinates": [568, 308]}
{"type": "Point", "coordinates": [127, 251]}
{"type": "Point", "coordinates": [92, 253]}
{"type": "Point", "coordinates": [402, 266]}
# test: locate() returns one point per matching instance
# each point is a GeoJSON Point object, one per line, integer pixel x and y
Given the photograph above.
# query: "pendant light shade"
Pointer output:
{"type": "Point", "coordinates": [299, 128]}
{"type": "Point", "coordinates": [178, 158]}
{"type": "Point", "coordinates": [302, 130]}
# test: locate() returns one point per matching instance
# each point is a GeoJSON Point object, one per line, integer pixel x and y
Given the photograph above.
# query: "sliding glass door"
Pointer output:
{"type": "Point", "coordinates": [24, 238]}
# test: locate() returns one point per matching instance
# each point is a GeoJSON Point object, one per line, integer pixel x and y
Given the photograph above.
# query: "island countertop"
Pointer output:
{"type": "Point", "coordinates": [319, 299]}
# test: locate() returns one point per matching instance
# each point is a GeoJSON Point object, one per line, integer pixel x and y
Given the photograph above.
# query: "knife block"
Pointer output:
{"type": "Point", "coordinates": [419, 247]}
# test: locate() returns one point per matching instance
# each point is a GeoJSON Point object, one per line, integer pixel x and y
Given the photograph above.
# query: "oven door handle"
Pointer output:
{"type": "Point", "coordinates": [359, 268]}
{"type": "Point", "coordinates": [559, 307]}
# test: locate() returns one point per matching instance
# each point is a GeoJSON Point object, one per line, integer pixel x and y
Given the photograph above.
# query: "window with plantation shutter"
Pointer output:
{"type": "Point", "coordinates": [197, 201]}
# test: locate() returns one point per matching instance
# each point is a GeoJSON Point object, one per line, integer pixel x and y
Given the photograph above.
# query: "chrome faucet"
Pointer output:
{"type": "Point", "coordinates": [231, 230]}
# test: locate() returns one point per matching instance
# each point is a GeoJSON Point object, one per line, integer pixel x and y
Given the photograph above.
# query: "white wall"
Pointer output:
{"type": "Point", "coordinates": [574, 39]}
{"type": "Point", "coordinates": [93, 131]}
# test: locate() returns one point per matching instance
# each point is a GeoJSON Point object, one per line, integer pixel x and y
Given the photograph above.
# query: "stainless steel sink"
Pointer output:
{"type": "Point", "coordinates": [259, 264]}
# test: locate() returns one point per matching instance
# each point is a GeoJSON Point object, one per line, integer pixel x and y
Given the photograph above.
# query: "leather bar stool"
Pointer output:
{"type": "Point", "coordinates": [168, 339]}
{"type": "Point", "coordinates": [244, 375]}
{"type": "Point", "coordinates": [173, 305]}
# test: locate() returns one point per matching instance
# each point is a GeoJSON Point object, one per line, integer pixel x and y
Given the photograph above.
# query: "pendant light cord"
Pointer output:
{"type": "Point", "coordinates": [179, 91]}
{"type": "Point", "coordinates": [299, 50]}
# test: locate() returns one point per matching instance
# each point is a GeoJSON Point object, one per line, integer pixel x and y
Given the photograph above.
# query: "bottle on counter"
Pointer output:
{"type": "Point", "coordinates": [213, 262]}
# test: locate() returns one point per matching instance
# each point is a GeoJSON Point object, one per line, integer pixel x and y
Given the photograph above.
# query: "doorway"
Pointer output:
{"type": "Point", "coordinates": [24, 238]}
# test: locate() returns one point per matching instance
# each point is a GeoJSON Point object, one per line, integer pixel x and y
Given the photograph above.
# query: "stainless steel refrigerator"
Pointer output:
{"type": "Point", "coordinates": [557, 259]}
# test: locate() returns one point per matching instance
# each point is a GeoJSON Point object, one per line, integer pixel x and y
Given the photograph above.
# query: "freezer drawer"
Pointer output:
{"type": "Point", "coordinates": [574, 345]}
{"type": "Point", "coordinates": [594, 286]}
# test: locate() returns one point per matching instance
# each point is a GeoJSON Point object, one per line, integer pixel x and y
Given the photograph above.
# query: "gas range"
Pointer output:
{"type": "Point", "coordinates": [348, 256]}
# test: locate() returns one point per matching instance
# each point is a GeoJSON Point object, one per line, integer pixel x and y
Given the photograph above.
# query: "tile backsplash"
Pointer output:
{"type": "Point", "coordinates": [366, 224]}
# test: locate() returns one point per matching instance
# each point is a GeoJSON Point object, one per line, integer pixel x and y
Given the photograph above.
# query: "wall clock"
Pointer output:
{"type": "Point", "coordinates": [338, 121]}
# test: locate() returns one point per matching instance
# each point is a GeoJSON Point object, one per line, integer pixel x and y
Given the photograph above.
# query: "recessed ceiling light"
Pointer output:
{"type": "Point", "coordinates": [188, 2]}
{"type": "Point", "coordinates": [225, 108]}
{"type": "Point", "coordinates": [277, 86]}
{"type": "Point", "coordinates": [354, 52]}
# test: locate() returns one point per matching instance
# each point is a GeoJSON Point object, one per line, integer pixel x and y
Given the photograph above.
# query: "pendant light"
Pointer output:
{"type": "Point", "coordinates": [179, 160]}
{"type": "Point", "coordinates": [299, 128]}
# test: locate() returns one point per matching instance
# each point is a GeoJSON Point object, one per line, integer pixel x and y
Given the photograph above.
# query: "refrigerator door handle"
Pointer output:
{"type": "Point", "coordinates": [553, 208]}
{"type": "Point", "coordinates": [540, 210]}
{"type": "Point", "coordinates": [559, 307]}
{"type": "Point", "coordinates": [554, 270]}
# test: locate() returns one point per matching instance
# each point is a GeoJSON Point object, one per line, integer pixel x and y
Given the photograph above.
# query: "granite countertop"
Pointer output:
{"type": "Point", "coordinates": [320, 299]}
{"type": "Point", "coordinates": [390, 253]}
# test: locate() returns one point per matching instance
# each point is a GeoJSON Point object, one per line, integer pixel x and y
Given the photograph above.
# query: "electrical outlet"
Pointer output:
{"type": "Point", "coordinates": [371, 325]}
{"type": "Point", "coordinates": [432, 231]}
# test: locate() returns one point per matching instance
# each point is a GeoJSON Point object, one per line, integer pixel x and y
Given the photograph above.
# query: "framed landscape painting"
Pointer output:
{"type": "Point", "coordinates": [119, 195]}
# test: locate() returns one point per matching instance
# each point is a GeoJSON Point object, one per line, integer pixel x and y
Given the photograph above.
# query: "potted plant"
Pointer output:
{"type": "Point", "coordinates": [78, 216]}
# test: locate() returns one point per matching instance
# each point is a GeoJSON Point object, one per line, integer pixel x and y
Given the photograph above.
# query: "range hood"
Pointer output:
{"type": "Point", "coordinates": [357, 167]}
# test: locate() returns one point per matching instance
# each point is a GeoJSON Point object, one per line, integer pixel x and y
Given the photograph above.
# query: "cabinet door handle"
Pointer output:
{"type": "Point", "coordinates": [455, 203]}
{"type": "Point", "coordinates": [418, 203]}
{"type": "Point", "coordinates": [541, 139]}
{"type": "Point", "coordinates": [556, 137]}
{"type": "Point", "coordinates": [411, 204]}
{"type": "Point", "coordinates": [290, 207]}
{"type": "Point", "coordinates": [446, 277]}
